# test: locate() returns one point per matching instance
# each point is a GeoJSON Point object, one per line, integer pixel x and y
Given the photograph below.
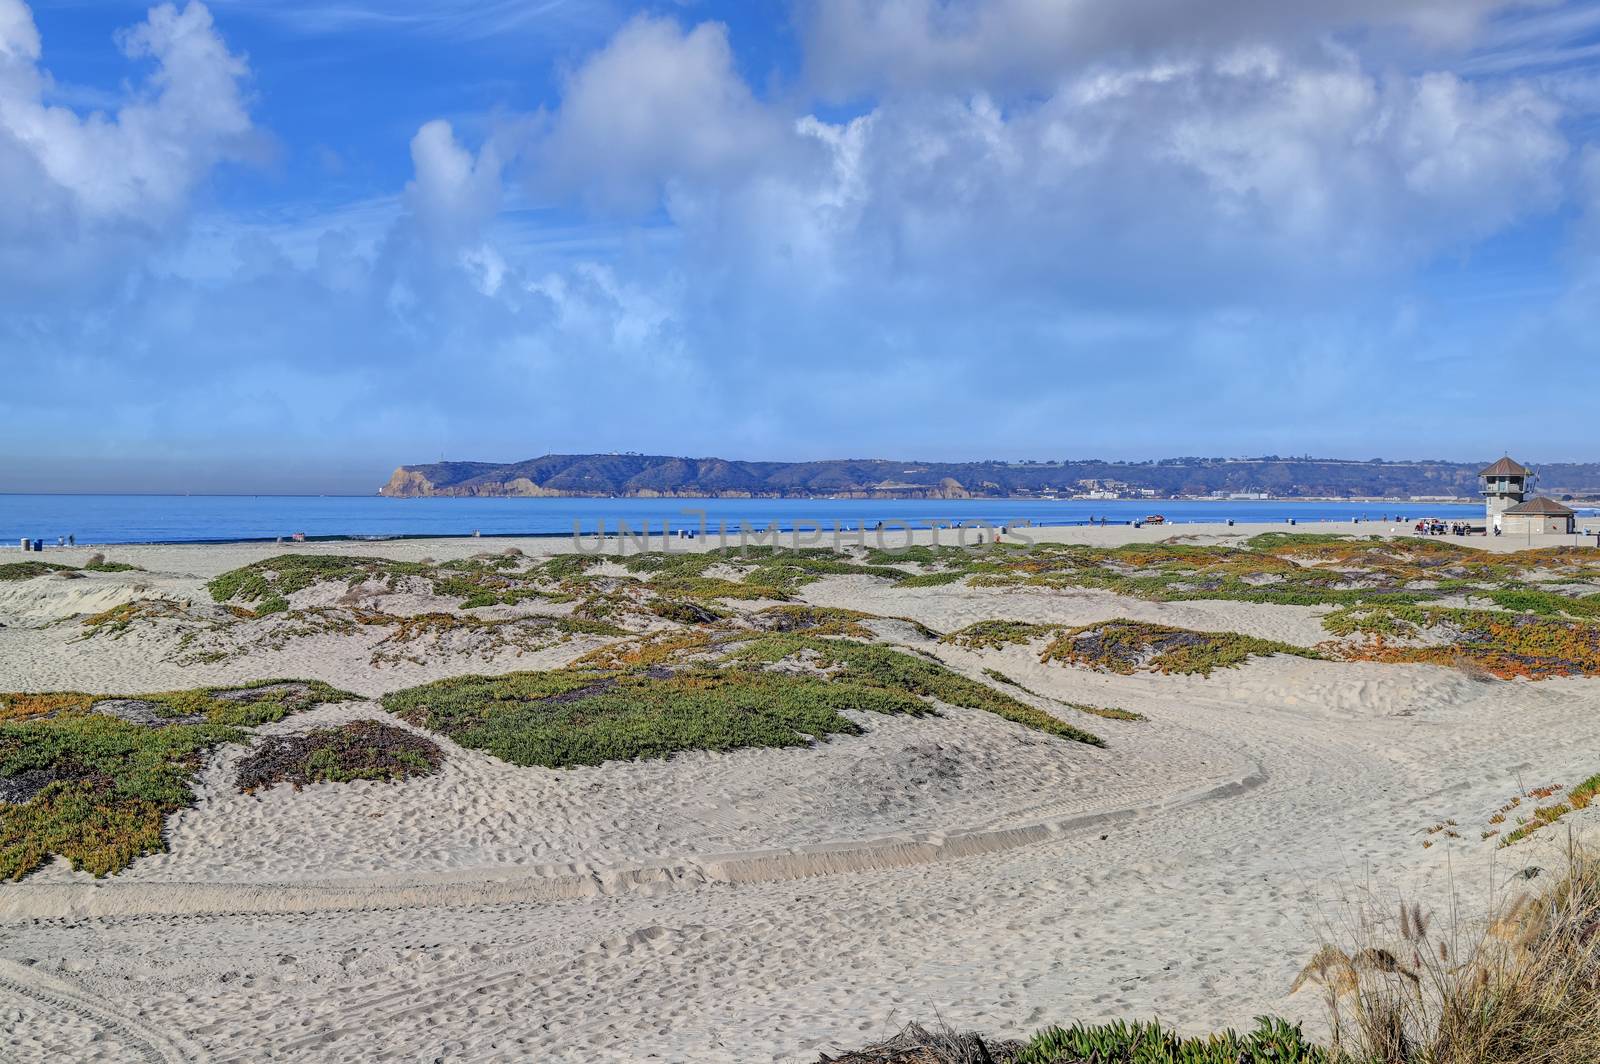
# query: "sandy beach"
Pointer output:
{"type": "Point", "coordinates": [754, 904]}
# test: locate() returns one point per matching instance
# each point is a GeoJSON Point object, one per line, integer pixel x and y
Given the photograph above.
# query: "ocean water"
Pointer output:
{"type": "Point", "coordinates": [95, 519]}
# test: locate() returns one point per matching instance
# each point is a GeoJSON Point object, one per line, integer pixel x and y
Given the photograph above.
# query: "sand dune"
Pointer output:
{"type": "Point", "coordinates": [765, 905]}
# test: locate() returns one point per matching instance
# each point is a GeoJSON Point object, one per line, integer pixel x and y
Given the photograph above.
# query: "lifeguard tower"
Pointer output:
{"type": "Point", "coordinates": [1508, 509]}
{"type": "Point", "coordinates": [1505, 485]}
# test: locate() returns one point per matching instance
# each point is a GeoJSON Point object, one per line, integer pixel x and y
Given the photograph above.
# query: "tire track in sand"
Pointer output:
{"type": "Point", "coordinates": [52, 901]}
{"type": "Point", "coordinates": [151, 1044]}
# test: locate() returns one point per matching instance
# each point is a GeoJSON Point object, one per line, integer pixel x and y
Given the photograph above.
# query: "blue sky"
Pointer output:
{"type": "Point", "coordinates": [278, 245]}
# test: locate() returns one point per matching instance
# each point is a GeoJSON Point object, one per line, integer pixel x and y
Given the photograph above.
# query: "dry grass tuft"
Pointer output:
{"type": "Point", "coordinates": [1525, 989]}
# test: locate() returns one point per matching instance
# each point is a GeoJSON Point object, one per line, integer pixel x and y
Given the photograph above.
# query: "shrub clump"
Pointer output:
{"type": "Point", "coordinates": [359, 750]}
{"type": "Point", "coordinates": [1126, 646]}
{"type": "Point", "coordinates": [93, 778]}
{"type": "Point", "coordinates": [680, 612]}
{"type": "Point", "coordinates": [97, 564]}
{"type": "Point", "coordinates": [816, 620]}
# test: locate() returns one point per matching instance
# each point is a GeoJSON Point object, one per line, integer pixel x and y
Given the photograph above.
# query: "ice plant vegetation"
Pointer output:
{"type": "Point", "coordinates": [93, 778]}
{"type": "Point", "coordinates": [358, 750]}
{"type": "Point", "coordinates": [666, 696]}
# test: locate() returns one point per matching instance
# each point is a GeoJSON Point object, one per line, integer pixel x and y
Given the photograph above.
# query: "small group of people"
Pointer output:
{"type": "Point", "coordinates": [1435, 527]}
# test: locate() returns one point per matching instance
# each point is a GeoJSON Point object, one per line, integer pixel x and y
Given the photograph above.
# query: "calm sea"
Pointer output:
{"type": "Point", "coordinates": [200, 518]}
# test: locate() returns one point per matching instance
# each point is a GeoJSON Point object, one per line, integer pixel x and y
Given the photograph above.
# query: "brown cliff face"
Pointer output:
{"type": "Point", "coordinates": [407, 484]}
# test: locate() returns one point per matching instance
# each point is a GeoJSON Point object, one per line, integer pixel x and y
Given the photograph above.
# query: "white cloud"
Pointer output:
{"type": "Point", "coordinates": [655, 105]}
{"type": "Point", "coordinates": [1238, 177]}
{"type": "Point", "coordinates": [1232, 173]}
{"type": "Point", "coordinates": [856, 46]}
{"type": "Point", "coordinates": [467, 20]}
{"type": "Point", "coordinates": [81, 186]}
{"type": "Point", "coordinates": [454, 192]}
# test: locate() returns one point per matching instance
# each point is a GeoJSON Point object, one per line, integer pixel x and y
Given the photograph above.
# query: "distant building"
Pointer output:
{"type": "Point", "coordinates": [1538, 517]}
{"type": "Point", "coordinates": [1509, 511]}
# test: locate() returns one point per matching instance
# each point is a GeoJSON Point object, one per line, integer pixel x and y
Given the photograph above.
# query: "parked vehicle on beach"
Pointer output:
{"type": "Point", "coordinates": [1155, 519]}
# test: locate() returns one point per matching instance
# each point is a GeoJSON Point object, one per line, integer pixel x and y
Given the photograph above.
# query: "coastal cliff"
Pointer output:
{"type": "Point", "coordinates": [667, 477]}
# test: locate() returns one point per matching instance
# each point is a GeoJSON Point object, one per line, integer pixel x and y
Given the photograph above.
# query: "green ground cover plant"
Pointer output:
{"type": "Point", "coordinates": [97, 564]}
{"type": "Point", "coordinates": [93, 778]}
{"type": "Point", "coordinates": [999, 677]}
{"type": "Point", "coordinates": [1545, 603]}
{"type": "Point", "coordinates": [1272, 1041]}
{"type": "Point", "coordinates": [1108, 712]}
{"type": "Point", "coordinates": [486, 580]}
{"type": "Point", "coordinates": [1296, 569]}
{"type": "Point", "coordinates": [670, 695]}
{"type": "Point", "coordinates": [992, 635]}
{"type": "Point", "coordinates": [1545, 609]}
{"type": "Point", "coordinates": [763, 571]}
{"type": "Point", "coordinates": [896, 670]}
{"type": "Point", "coordinates": [1579, 797]}
{"type": "Point", "coordinates": [680, 612]}
{"type": "Point", "coordinates": [1126, 646]}
{"type": "Point", "coordinates": [30, 569]}
{"type": "Point", "coordinates": [587, 717]}
{"type": "Point", "coordinates": [1307, 569]}
{"type": "Point", "coordinates": [1276, 540]}
{"type": "Point", "coordinates": [1501, 644]}
{"type": "Point", "coordinates": [817, 620]}
{"type": "Point", "coordinates": [116, 621]}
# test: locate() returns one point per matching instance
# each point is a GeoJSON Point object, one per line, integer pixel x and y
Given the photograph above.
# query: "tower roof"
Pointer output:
{"type": "Point", "coordinates": [1505, 468]}
{"type": "Point", "coordinates": [1542, 507]}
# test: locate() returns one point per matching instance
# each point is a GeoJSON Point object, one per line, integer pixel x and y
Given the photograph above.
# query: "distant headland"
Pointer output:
{"type": "Point", "coordinates": [662, 476]}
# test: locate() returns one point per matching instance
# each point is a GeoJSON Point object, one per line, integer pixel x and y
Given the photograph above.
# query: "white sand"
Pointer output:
{"type": "Point", "coordinates": [765, 905]}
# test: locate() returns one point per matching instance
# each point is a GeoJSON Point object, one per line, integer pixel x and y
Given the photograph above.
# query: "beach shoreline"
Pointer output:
{"type": "Point", "coordinates": [207, 556]}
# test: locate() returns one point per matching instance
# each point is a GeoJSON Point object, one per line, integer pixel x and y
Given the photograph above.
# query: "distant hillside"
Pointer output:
{"type": "Point", "coordinates": [660, 476]}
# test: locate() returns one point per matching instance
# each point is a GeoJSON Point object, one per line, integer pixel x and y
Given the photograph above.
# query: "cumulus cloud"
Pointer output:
{"type": "Point", "coordinates": [1165, 208]}
{"type": "Point", "coordinates": [81, 187]}
{"type": "Point", "coordinates": [655, 105]}
{"type": "Point", "coordinates": [1227, 175]}
{"type": "Point", "coordinates": [858, 46]}
{"type": "Point", "coordinates": [454, 192]}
